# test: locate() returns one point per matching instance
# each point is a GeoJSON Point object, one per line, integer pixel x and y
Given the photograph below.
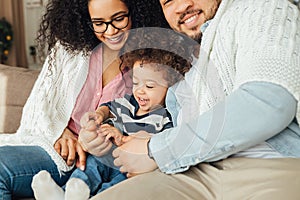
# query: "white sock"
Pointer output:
{"type": "Point", "coordinates": [77, 189]}
{"type": "Point", "coordinates": [44, 187]}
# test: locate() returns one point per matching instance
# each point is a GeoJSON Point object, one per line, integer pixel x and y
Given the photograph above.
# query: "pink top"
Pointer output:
{"type": "Point", "coordinates": [92, 93]}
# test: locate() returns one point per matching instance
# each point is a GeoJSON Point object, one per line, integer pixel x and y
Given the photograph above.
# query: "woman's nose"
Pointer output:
{"type": "Point", "coordinates": [110, 30]}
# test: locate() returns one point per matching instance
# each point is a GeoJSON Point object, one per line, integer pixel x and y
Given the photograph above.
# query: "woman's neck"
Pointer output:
{"type": "Point", "coordinates": [110, 65]}
{"type": "Point", "coordinates": [109, 56]}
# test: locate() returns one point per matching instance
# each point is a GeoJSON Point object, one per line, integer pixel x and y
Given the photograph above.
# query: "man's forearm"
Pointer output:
{"type": "Point", "coordinates": [252, 114]}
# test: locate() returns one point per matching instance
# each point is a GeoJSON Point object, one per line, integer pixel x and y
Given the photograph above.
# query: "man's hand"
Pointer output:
{"type": "Point", "coordinates": [68, 147]}
{"type": "Point", "coordinates": [88, 117]}
{"type": "Point", "coordinates": [93, 142]}
{"type": "Point", "coordinates": [132, 156]}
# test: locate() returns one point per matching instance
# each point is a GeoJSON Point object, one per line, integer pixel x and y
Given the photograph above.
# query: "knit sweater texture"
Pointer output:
{"type": "Point", "coordinates": [249, 40]}
{"type": "Point", "coordinates": [48, 109]}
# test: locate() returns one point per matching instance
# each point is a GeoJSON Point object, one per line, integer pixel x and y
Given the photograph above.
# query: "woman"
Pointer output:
{"type": "Point", "coordinates": [66, 87]}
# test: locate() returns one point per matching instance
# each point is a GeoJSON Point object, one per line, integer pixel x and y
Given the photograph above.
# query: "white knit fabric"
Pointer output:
{"type": "Point", "coordinates": [249, 40]}
{"type": "Point", "coordinates": [50, 104]}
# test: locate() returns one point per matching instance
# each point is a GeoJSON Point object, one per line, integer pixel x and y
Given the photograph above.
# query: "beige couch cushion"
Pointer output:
{"type": "Point", "coordinates": [15, 86]}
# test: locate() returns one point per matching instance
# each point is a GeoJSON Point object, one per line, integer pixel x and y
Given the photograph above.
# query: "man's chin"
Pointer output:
{"type": "Point", "coordinates": [197, 37]}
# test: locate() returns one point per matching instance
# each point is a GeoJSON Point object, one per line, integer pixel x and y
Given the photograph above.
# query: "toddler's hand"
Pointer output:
{"type": "Point", "coordinates": [111, 133]}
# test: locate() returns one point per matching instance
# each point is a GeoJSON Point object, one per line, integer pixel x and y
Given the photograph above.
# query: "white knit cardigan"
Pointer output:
{"type": "Point", "coordinates": [50, 104]}
{"type": "Point", "coordinates": [248, 40]}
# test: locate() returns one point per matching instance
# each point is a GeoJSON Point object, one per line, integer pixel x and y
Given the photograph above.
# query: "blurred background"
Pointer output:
{"type": "Point", "coordinates": [24, 17]}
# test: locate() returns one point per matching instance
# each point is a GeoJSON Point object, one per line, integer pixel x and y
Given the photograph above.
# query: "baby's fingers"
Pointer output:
{"type": "Point", "coordinates": [108, 137]}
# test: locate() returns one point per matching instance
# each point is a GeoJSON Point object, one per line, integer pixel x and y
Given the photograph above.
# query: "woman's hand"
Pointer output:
{"type": "Point", "coordinates": [69, 148]}
{"type": "Point", "coordinates": [93, 142]}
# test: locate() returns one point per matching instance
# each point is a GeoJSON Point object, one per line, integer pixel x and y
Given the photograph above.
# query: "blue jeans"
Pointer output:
{"type": "Point", "coordinates": [99, 174]}
{"type": "Point", "coordinates": [18, 165]}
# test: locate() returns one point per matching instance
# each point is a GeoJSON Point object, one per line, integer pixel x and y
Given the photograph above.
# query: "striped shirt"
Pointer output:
{"type": "Point", "coordinates": [125, 118]}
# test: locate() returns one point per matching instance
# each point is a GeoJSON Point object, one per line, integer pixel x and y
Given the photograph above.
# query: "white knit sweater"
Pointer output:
{"type": "Point", "coordinates": [48, 109]}
{"type": "Point", "coordinates": [249, 40]}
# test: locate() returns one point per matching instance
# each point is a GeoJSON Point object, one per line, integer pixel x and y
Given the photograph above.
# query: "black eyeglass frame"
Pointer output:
{"type": "Point", "coordinates": [90, 23]}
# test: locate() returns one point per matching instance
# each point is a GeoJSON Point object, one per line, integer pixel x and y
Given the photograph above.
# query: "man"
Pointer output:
{"type": "Point", "coordinates": [245, 142]}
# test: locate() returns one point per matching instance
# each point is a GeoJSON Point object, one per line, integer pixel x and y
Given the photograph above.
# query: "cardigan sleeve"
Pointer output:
{"type": "Point", "coordinates": [268, 45]}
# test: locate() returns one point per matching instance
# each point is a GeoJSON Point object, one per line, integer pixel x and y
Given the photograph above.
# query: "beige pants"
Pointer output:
{"type": "Point", "coordinates": [230, 179]}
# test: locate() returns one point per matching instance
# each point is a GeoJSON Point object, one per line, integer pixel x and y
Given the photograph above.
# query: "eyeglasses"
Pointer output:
{"type": "Point", "coordinates": [119, 23]}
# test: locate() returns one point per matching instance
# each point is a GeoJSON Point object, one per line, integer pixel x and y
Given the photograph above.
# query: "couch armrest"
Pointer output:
{"type": "Point", "coordinates": [15, 86]}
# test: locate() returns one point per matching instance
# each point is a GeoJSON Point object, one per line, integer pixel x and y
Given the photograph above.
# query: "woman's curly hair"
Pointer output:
{"type": "Point", "coordinates": [66, 21]}
{"type": "Point", "coordinates": [171, 52]}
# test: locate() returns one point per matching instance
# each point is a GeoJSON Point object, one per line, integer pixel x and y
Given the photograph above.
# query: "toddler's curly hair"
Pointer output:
{"type": "Point", "coordinates": [171, 52]}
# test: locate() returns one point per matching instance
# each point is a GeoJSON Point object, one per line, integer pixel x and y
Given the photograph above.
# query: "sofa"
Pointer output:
{"type": "Point", "coordinates": [15, 86]}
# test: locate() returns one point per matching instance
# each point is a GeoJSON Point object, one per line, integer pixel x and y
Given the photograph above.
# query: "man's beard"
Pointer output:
{"type": "Point", "coordinates": [197, 36]}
